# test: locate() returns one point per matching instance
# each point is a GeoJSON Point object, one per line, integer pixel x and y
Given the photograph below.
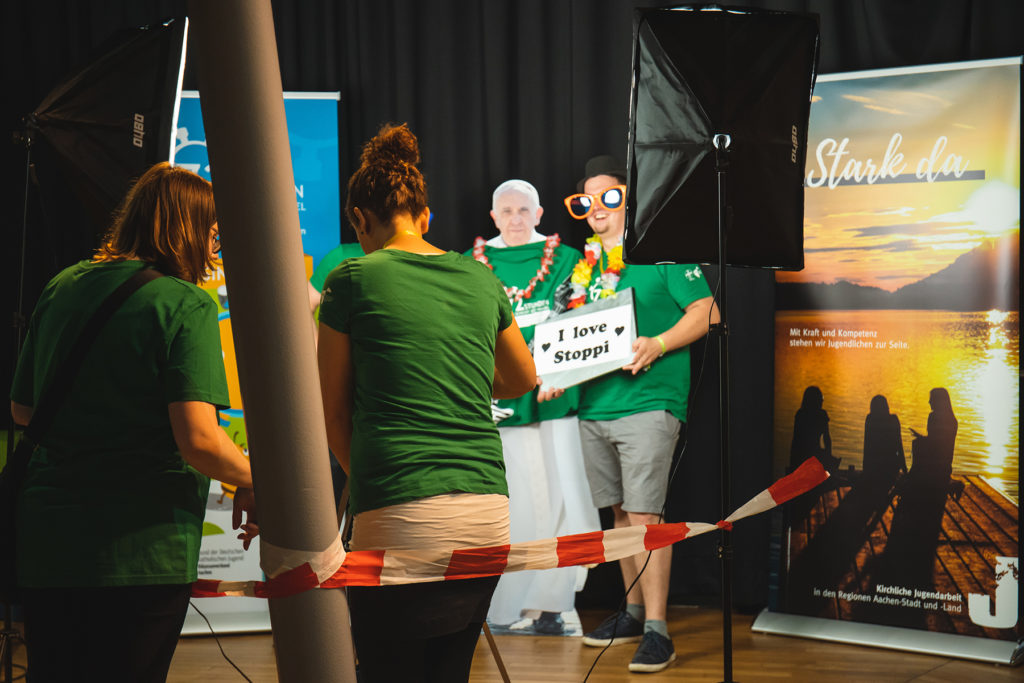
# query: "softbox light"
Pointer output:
{"type": "Point", "coordinates": [114, 118]}
{"type": "Point", "coordinates": [698, 72]}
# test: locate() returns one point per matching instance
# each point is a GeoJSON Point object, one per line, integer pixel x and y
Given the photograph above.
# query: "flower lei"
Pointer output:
{"type": "Point", "coordinates": [515, 295]}
{"type": "Point", "coordinates": [583, 273]}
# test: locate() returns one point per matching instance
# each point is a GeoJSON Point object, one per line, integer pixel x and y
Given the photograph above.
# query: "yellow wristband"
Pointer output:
{"type": "Point", "coordinates": [662, 342]}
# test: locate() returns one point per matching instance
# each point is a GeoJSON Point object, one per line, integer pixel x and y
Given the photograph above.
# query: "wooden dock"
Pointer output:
{"type": "Point", "coordinates": [890, 554]}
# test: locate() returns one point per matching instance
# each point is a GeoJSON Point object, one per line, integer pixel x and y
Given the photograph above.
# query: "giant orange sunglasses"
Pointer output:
{"type": "Point", "coordinates": [582, 205]}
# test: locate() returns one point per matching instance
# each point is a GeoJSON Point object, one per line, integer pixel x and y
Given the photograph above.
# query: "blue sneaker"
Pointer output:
{"type": "Point", "coordinates": [549, 624]}
{"type": "Point", "coordinates": [655, 653]}
{"type": "Point", "coordinates": [621, 625]}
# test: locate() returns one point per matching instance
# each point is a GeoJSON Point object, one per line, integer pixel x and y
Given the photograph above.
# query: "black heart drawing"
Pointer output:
{"type": "Point", "coordinates": [545, 346]}
{"type": "Point", "coordinates": [618, 331]}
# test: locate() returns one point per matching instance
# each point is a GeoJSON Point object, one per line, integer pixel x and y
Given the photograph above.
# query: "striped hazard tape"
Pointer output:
{"type": "Point", "coordinates": [294, 571]}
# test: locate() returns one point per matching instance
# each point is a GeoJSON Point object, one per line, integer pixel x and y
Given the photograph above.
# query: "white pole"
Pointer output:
{"type": "Point", "coordinates": [250, 162]}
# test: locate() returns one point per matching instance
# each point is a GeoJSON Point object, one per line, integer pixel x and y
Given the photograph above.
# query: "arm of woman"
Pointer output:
{"type": "Point", "coordinates": [334, 359]}
{"type": "Point", "coordinates": [514, 371]}
{"type": "Point", "coordinates": [205, 446]}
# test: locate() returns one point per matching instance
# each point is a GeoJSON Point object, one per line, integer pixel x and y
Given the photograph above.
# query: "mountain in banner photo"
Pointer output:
{"type": "Point", "coordinates": [985, 278]}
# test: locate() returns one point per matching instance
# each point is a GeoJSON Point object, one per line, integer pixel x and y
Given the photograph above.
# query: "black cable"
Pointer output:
{"type": "Point", "coordinates": [216, 638]}
{"type": "Point", "coordinates": [671, 478]}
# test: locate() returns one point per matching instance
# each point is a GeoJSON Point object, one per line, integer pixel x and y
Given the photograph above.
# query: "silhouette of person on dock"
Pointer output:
{"type": "Point", "coordinates": [884, 458]}
{"type": "Point", "coordinates": [933, 452]}
{"type": "Point", "coordinates": [849, 517]}
{"type": "Point", "coordinates": [810, 432]}
{"type": "Point", "coordinates": [910, 551]}
{"type": "Point", "coordinates": [811, 439]}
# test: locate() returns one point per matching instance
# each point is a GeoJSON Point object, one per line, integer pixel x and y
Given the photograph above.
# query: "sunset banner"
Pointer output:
{"type": "Point", "coordinates": [897, 357]}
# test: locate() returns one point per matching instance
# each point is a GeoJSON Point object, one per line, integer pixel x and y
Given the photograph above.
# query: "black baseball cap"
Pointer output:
{"type": "Point", "coordinates": [604, 164]}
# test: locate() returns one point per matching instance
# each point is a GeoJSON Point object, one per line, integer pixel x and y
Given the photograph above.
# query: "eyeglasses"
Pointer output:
{"type": "Point", "coordinates": [582, 205]}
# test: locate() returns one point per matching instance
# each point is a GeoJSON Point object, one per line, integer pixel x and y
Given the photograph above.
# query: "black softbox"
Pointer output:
{"type": "Point", "coordinates": [113, 119]}
{"type": "Point", "coordinates": [698, 72]}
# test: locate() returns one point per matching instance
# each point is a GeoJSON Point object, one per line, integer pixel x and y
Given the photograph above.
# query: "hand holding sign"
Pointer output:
{"type": "Point", "coordinates": [547, 393]}
{"type": "Point", "coordinates": [585, 342]}
{"type": "Point", "coordinates": [647, 350]}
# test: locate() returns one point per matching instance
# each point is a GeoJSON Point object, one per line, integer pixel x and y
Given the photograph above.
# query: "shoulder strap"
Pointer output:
{"type": "Point", "coordinates": [50, 400]}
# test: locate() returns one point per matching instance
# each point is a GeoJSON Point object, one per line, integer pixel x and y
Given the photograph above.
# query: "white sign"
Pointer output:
{"type": "Point", "coordinates": [221, 557]}
{"type": "Point", "coordinates": [585, 342]}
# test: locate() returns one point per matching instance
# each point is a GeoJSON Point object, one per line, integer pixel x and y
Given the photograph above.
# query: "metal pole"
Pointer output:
{"type": "Point", "coordinates": [721, 142]}
{"type": "Point", "coordinates": [250, 161]}
{"type": "Point", "coordinates": [10, 637]}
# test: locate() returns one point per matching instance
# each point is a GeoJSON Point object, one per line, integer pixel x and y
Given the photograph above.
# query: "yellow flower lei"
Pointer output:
{"type": "Point", "coordinates": [583, 272]}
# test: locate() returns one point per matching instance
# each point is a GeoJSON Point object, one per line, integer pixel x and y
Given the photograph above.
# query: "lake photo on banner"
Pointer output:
{"type": "Point", "coordinates": [852, 356]}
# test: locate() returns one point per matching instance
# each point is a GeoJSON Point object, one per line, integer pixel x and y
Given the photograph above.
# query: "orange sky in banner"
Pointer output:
{"type": "Point", "coordinates": [948, 125]}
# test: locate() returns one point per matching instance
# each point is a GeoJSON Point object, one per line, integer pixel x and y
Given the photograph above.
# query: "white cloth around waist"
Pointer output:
{"type": "Point", "coordinates": [451, 520]}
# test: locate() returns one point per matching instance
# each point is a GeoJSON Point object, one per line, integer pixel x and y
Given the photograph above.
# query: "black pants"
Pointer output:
{"type": "Point", "coordinates": [116, 634]}
{"type": "Point", "coordinates": [419, 633]}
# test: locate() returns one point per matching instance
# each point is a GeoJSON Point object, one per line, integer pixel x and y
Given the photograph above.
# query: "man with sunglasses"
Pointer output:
{"type": "Point", "coordinates": [548, 495]}
{"type": "Point", "coordinates": [630, 420]}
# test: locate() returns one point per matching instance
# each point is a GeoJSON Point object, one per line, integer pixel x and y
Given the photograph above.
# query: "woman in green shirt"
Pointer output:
{"type": "Point", "coordinates": [414, 341]}
{"type": "Point", "coordinates": [111, 510]}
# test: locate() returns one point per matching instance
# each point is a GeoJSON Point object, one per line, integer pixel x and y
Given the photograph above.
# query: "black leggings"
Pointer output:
{"type": "Point", "coordinates": [419, 633]}
{"type": "Point", "coordinates": [442, 659]}
{"type": "Point", "coordinates": [123, 633]}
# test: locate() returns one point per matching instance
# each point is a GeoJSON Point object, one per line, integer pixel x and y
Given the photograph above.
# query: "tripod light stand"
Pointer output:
{"type": "Point", "coordinates": [718, 126]}
{"type": "Point", "coordinates": [99, 129]}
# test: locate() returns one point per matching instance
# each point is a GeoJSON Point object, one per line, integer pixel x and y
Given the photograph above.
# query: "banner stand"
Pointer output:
{"type": "Point", "coordinates": [242, 621]}
{"type": "Point", "coordinates": [891, 637]}
{"type": "Point", "coordinates": [313, 138]}
{"type": "Point", "coordinates": [897, 366]}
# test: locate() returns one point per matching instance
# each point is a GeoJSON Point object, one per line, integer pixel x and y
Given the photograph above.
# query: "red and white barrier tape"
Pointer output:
{"type": "Point", "coordinates": [295, 571]}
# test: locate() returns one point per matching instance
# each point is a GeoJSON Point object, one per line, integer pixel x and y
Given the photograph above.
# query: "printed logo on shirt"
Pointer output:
{"type": "Point", "coordinates": [529, 313]}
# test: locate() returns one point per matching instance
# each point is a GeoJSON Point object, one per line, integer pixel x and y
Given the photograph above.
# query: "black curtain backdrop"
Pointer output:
{"type": "Point", "coordinates": [497, 89]}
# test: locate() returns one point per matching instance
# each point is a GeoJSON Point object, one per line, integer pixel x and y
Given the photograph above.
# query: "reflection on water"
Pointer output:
{"type": "Point", "coordinates": [854, 355]}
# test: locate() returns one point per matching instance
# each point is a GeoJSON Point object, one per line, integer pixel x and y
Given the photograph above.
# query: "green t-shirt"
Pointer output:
{"type": "Point", "coordinates": [422, 330]}
{"type": "Point", "coordinates": [108, 499]}
{"type": "Point", "coordinates": [331, 260]}
{"type": "Point", "coordinates": [661, 295]}
{"type": "Point", "coordinates": [515, 267]}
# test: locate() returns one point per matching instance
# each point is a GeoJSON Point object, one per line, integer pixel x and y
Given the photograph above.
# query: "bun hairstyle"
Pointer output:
{"type": "Point", "coordinates": [388, 181]}
{"type": "Point", "coordinates": [166, 220]}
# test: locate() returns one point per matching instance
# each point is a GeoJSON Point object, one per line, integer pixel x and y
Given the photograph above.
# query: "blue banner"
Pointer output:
{"type": "Point", "coordinates": [313, 139]}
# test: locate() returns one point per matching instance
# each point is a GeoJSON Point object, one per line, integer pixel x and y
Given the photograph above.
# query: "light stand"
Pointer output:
{"type": "Point", "coordinates": [697, 71]}
{"type": "Point", "coordinates": [721, 142]}
{"type": "Point", "coordinates": [92, 123]}
{"type": "Point", "coordinates": [10, 637]}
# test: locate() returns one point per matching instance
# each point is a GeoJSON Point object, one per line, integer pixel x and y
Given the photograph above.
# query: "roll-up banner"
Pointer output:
{"type": "Point", "coordinates": [897, 364]}
{"type": "Point", "coordinates": [313, 135]}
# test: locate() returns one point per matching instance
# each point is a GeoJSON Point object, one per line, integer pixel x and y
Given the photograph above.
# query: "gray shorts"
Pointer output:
{"type": "Point", "coordinates": [628, 459]}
